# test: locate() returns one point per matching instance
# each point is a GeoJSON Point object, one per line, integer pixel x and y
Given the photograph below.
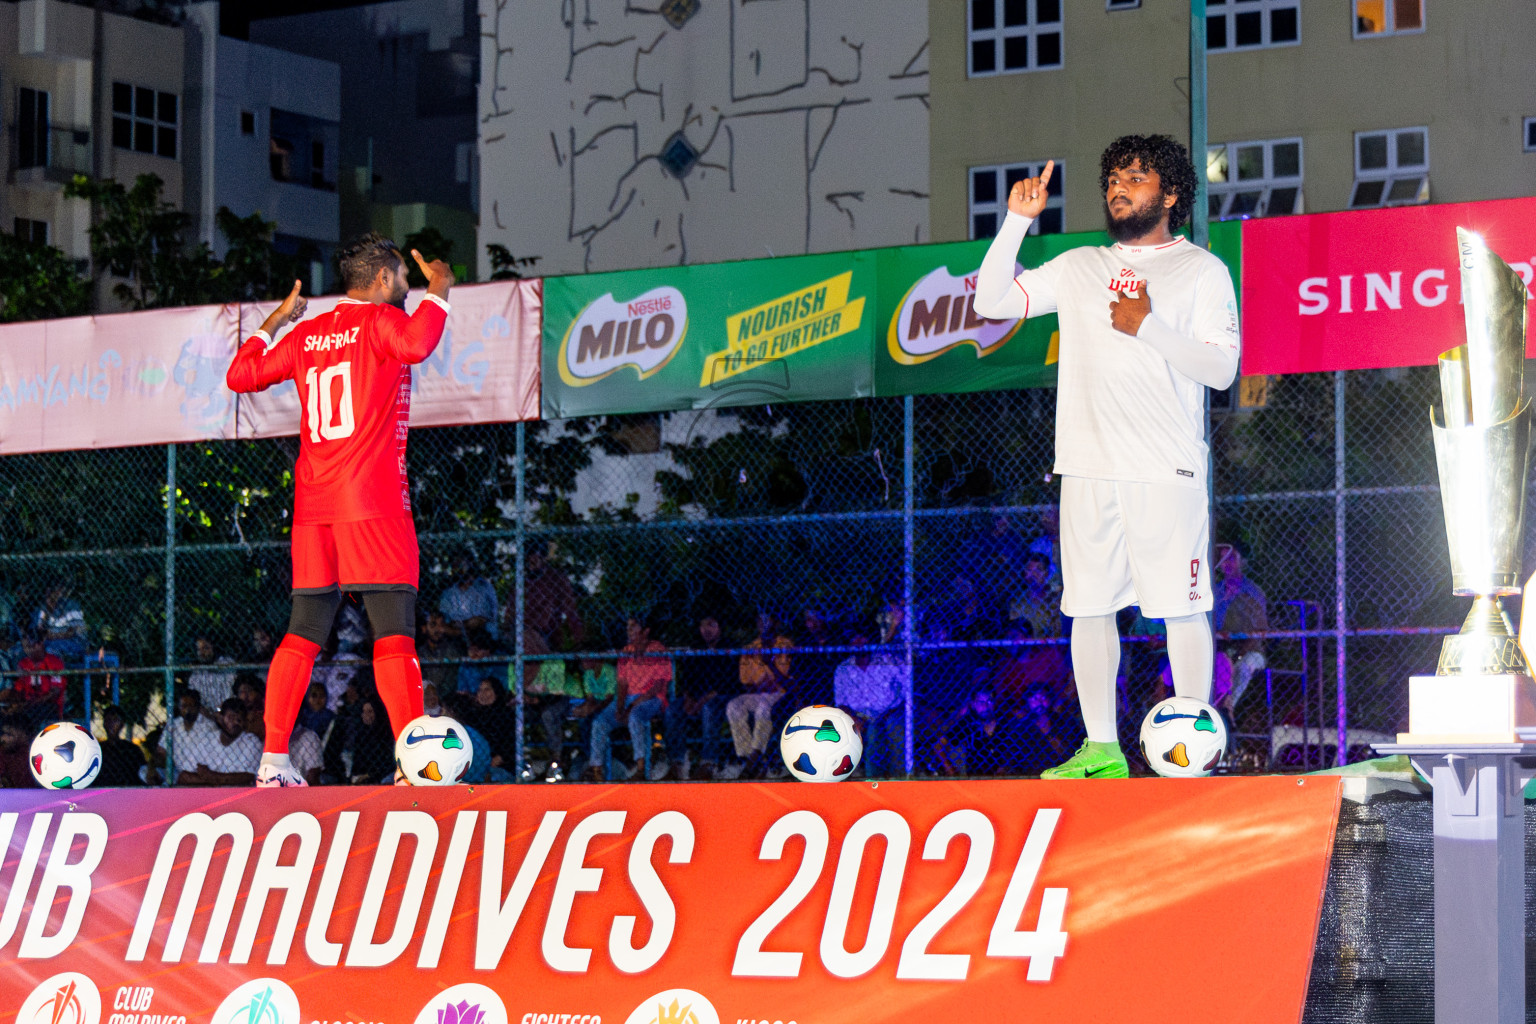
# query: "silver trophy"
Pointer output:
{"type": "Point", "coordinates": [1482, 448]}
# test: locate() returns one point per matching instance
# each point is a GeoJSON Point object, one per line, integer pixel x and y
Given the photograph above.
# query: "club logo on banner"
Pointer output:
{"type": "Point", "coordinates": [938, 314]}
{"type": "Point", "coordinates": [261, 1001]}
{"type": "Point", "coordinates": [675, 1006]}
{"type": "Point", "coordinates": [644, 332]}
{"type": "Point", "coordinates": [464, 1004]}
{"type": "Point", "coordinates": [68, 998]}
{"type": "Point", "coordinates": [785, 325]}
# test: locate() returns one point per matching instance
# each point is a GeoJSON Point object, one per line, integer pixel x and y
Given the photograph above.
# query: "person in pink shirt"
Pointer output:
{"type": "Point", "coordinates": [644, 679]}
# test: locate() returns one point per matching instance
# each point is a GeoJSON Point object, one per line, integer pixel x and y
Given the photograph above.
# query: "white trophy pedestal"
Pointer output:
{"type": "Point", "coordinates": [1470, 709]}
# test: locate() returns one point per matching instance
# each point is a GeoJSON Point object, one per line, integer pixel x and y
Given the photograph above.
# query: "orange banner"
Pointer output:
{"type": "Point", "coordinates": [1134, 900]}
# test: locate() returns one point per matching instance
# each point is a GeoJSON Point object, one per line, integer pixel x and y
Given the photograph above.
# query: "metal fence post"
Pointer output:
{"type": "Point", "coordinates": [908, 520]}
{"type": "Point", "coordinates": [170, 610]}
{"type": "Point", "coordinates": [520, 576]}
{"type": "Point", "coordinates": [1341, 756]}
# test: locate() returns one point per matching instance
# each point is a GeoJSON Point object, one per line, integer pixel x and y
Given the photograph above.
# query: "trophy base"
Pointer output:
{"type": "Point", "coordinates": [1486, 645]}
{"type": "Point", "coordinates": [1471, 709]}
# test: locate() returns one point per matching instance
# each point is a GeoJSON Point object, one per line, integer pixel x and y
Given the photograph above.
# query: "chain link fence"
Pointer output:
{"type": "Point", "coordinates": [902, 550]}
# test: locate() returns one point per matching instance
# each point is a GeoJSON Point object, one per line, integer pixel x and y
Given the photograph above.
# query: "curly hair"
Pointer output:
{"type": "Point", "coordinates": [361, 259]}
{"type": "Point", "coordinates": [1163, 154]}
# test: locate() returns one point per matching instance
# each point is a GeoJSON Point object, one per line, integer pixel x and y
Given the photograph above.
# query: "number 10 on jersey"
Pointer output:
{"type": "Point", "coordinates": [330, 419]}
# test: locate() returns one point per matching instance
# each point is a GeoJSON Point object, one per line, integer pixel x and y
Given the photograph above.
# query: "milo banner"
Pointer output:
{"type": "Point", "coordinates": [845, 325]}
{"type": "Point", "coordinates": [857, 903]}
{"type": "Point", "coordinates": [794, 329]}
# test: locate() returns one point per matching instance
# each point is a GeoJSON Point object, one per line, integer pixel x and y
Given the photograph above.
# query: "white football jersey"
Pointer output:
{"type": "Point", "coordinates": [1122, 411]}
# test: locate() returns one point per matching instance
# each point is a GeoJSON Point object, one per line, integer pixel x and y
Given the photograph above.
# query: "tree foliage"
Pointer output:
{"type": "Point", "coordinates": [39, 282]}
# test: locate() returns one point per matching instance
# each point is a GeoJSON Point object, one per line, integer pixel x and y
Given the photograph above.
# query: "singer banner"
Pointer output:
{"type": "Point", "coordinates": [857, 903]}
{"type": "Point", "coordinates": [1368, 289]}
{"type": "Point", "coordinates": [157, 377]}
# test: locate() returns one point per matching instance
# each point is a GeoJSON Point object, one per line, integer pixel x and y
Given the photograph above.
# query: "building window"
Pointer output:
{"type": "Point", "coordinates": [1007, 36]}
{"type": "Point", "coordinates": [1251, 24]}
{"type": "Point", "coordinates": [1121, 5]}
{"type": "Point", "coordinates": [144, 120]}
{"type": "Point", "coordinates": [989, 198]}
{"type": "Point", "coordinates": [1530, 135]}
{"type": "Point", "coordinates": [247, 122]}
{"type": "Point", "coordinates": [1254, 179]}
{"type": "Point", "coordinates": [1391, 168]}
{"type": "Point", "coordinates": [300, 149]}
{"type": "Point", "coordinates": [31, 128]}
{"type": "Point", "coordinates": [34, 231]}
{"type": "Point", "coordinates": [1375, 18]}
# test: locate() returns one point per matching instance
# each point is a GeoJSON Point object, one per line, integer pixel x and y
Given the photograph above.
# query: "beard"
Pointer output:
{"type": "Point", "coordinates": [1136, 222]}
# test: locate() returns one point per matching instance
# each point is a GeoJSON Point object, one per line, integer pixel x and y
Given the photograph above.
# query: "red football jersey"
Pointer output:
{"type": "Point", "coordinates": [352, 367]}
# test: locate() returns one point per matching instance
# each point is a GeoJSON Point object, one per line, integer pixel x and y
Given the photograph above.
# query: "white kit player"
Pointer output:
{"type": "Point", "coordinates": [1147, 324]}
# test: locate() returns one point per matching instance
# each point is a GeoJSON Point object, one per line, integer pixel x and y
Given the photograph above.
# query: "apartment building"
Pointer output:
{"type": "Point", "coordinates": [1314, 105]}
{"type": "Point", "coordinates": [222, 122]}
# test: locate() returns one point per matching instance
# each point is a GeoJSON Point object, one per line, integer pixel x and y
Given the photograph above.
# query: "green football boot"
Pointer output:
{"type": "Point", "coordinates": [1092, 761]}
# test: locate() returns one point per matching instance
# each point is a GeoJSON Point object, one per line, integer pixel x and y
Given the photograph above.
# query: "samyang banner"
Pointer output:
{"type": "Point", "coordinates": [857, 903]}
{"type": "Point", "coordinates": [895, 321]}
{"type": "Point", "coordinates": [1368, 289]}
{"type": "Point", "coordinates": [722, 334]}
{"type": "Point", "coordinates": [157, 377]}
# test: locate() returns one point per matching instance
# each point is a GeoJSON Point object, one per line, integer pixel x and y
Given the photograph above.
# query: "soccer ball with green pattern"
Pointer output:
{"type": "Point", "coordinates": [821, 744]}
{"type": "Point", "coordinates": [65, 756]}
{"type": "Point", "coordinates": [1183, 738]}
{"type": "Point", "coordinates": [433, 750]}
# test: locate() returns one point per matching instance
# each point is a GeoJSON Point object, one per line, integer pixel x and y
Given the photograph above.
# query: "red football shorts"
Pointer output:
{"type": "Point", "coordinates": [368, 552]}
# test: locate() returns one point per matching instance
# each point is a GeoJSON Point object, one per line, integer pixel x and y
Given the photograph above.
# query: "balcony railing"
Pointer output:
{"type": "Point", "coordinates": [54, 153]}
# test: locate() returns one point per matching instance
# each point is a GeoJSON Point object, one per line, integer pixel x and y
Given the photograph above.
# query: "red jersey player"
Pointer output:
{"type": "Point", "coordinates": [352, 526]}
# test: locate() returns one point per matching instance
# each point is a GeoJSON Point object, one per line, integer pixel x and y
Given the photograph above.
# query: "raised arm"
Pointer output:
{"type": "Point", "coordinates": [999, 295]}
{"type": "Point", "coordinates": [259, 364]}
{"type": "Point", "coordinates": [411, 339]}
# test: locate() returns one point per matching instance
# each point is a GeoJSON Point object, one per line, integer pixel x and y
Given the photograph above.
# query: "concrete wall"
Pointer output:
{"type": "Point", "coordinates": [810, 120]}
{"type": "Point", "coordinates": [1468, 78]}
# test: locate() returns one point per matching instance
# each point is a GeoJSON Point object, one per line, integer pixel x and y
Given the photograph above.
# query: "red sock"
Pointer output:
{"type": "Point", "coordinates": [397, 674]}
{"type": "Point", "coordinates": [287, 683]}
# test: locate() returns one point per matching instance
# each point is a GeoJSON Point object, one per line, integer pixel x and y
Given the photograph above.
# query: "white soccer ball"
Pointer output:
{"type": "Point", "coordinates": [433, 750]}
{"type": "Point", "coordinates": [65, 756]}
{"type": "Point", "coordinates": [1183, 738]}
{"type": "Point", "coordinates": [821, 744]}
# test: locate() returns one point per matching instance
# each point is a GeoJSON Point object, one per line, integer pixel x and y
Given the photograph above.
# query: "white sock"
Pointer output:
{"type": "Point", "coordinates": [1095, 662]}
{"type": "Point", "coordinates": [276, 760]}
{"type": "Point", "coordinates": [1190, 655]}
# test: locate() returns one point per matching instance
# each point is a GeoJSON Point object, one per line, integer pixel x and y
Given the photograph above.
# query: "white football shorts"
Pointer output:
{"type": "Point", "coordinates": [1126, 543]}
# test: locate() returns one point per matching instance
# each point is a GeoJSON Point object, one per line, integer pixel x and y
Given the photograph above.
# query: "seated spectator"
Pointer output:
{"type": "Point", "coordinates": [230, 759]}
{"type": "Point", "coordinates": [1045, 739]}
{"type": "Point", "coordinates": [705, 684]}
{"type": "Point", "coordinates": [15, 752]}
{"type": "Point", "coordinates": [1049, 543]}
{"type": "Point", "coordinates": [122, 761]}
{"type": "Point", "coordinates": [469, 603]}
{"type": "Point", "coordinates": [548, 691]}
{"type": "Point", "coordinates": [373, 746]}
{"type": "Point", "coordinates": [260, 651]}
{"type": "Point", "coordinates": [1221, 683]}
{"type": "Point", "coordinates": [431, 700]}
{"type": "Point", "coordinates": [305, 753]}
{"type": "Point", "coordinates": [214, 685]}
{"type": "Point", "coordinates": [60, 624]}
{"type": "Point", "coordinates": [481, 662]}
{"type": "Point", "coordinates": [337, 670]}
{"type": "Point", "coordinates": [1241, 607]}
{"type": "Point", "coordinates": [977, 740]}
{"type": "Point", "coordinates": [458, 707]}
{"type": "Point", "coordinates": [38, 693]}
{"type": "Point", "coordinates": [549, 601]}
{"type": "Point", "coordinates": [1027, 666]}
{"type": "Point", "coordinates": [641, 695]}
{"type": "Point", "coordinates": [1036, 603]}
{"type": "Point", "coordinates": [492, 715]}
{"type": "Point", "coordinates": [314, 715]}
{"type": "Point", "coordinates": [764, 681]}
{"type": "Point", "coordinates": [440, 652]}
{"type": "Point", "coordinates": [248, 691]}
{"type": "Point", "coordinates": [872, 688]}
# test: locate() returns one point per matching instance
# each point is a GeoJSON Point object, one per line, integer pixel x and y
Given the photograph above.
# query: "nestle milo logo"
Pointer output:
{"type": "Point", "coordinates": [643, 332]}
{"type": "Point", "coordinates": [939, 313]}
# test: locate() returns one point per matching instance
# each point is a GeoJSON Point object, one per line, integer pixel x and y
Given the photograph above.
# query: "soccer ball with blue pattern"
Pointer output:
{"type": "Point", "coordinates": [1183, 738]}
{"type": "Point", "coordinates": [433, 750]}
{"type": "Point", "coordinates": [821, 744]}
{"type": "Point", "coordinates": [65, 756]}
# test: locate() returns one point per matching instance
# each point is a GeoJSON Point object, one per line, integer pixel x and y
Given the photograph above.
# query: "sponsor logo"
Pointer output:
{"type": "Point", "coordinates": [783, 326]}
{"type": "Point", "coordinates": [645, 332]}
{"type": "Point", "coordinates": [938, 313]}
{"type": "Point", "coordinates": [1371, 292]}
{"type": "Point", "coordinates": [1185, 472]}
{"type": "Point", "coordinates": [674, 1006]}
{"type": "Point", "coordinates": [68, 998]}
{"type": "Point", "coordinates": [464, 1004]}
{"type": "Point", "coordinates": [1128, 283]}
{"type": "Point", "coordinates": [262, 1001]}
